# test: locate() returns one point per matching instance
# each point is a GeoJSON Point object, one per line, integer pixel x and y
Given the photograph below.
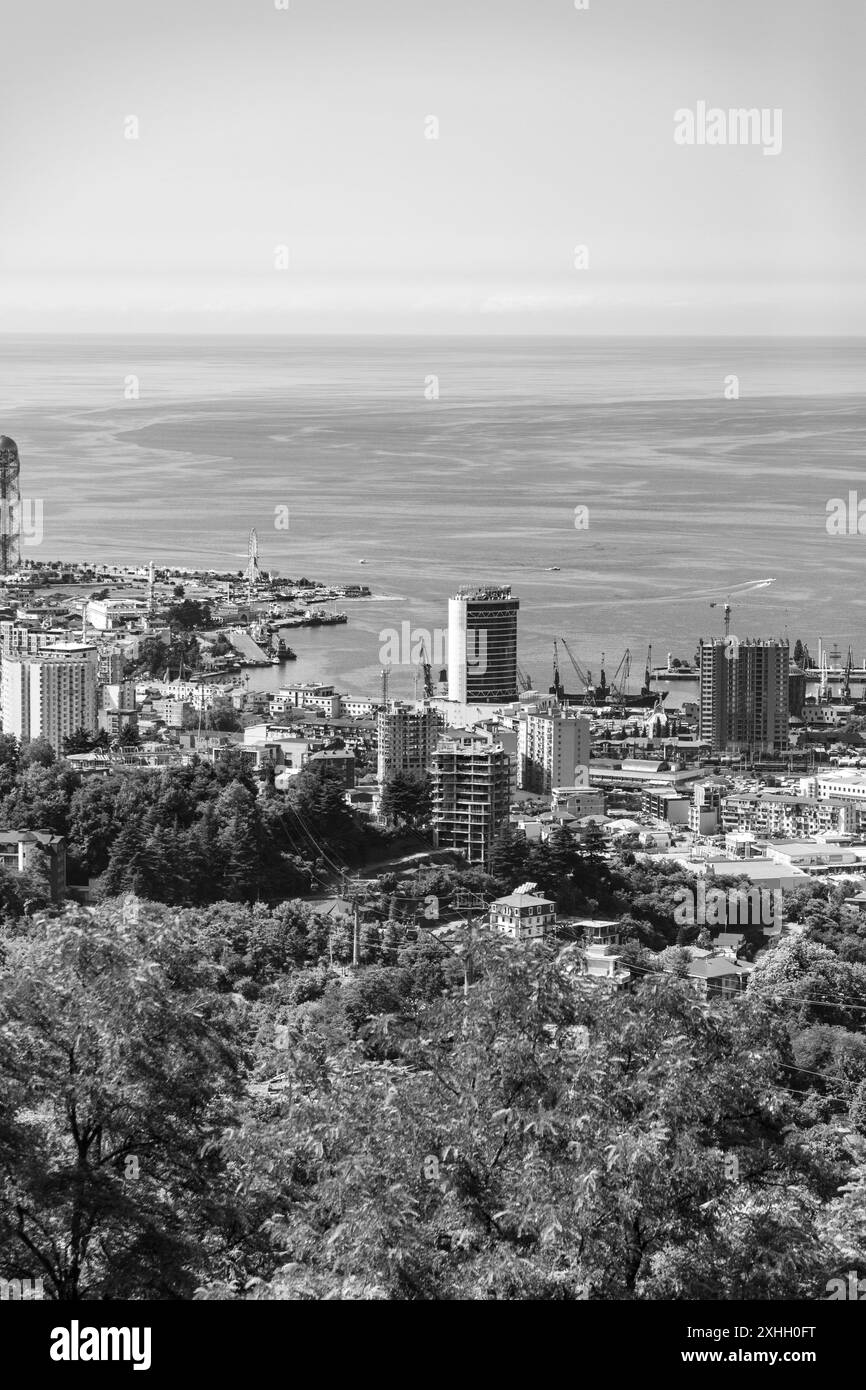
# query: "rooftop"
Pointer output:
{"type": "Point", "coordinates": [523, 900]}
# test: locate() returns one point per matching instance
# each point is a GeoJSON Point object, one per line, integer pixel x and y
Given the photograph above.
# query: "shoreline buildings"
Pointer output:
{"type": "Point", "coordinates": [482, 646]}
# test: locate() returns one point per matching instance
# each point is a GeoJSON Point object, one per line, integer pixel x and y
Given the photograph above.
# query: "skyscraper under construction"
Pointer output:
{"type": "Point", "coordinates": [10, 506]}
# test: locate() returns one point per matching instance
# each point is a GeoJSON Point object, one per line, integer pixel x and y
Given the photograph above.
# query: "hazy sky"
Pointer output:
{"type": "Point", "coordinates": [305, 128]}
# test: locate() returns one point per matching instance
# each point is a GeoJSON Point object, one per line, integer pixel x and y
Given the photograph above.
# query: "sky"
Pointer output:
{"type": "Point", "coordinates": [306, 128]}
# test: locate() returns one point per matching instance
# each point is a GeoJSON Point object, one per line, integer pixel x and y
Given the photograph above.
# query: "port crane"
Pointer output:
{"type": "Point", "coordinates": [585, 677]}
{"type": "Point", "coordinates": [557, 688]}
{"type": "Point", "coordinates": [426, 672]}
{"type": "Point", "coordinates": [846, 687]}
{"type": "Point", "coordinates": [619, 685]}
{"type": "Point", "coordinates": [524, 678]}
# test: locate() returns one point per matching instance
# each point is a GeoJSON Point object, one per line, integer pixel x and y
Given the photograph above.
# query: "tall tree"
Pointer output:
{"type": "Point", "coordinates": [121, 1069]}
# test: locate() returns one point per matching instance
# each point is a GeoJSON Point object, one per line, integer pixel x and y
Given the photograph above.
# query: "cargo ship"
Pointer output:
{"type": "Point", "coordinates": [614, 694]}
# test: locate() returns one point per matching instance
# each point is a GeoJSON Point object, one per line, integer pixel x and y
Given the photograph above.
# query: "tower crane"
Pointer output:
{"type": "Point", "coordinates": [727, 612]}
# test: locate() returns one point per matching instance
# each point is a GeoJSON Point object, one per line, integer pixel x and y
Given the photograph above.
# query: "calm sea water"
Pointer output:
{"type": "Point", "coordinates": [692, 498]}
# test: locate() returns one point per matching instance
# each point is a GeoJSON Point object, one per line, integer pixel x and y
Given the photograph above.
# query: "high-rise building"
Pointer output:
{"type": "Point", "coordinates": [51, 695]}
{"type": "Point", "coordinates": [473, 781]}
{"type": "Point", "coordinates": [407, 738]}
{"type": "Point", "coordinates": [744, 695]}
{"type": "Point", "coordinates": [551, 744]}
{"type": "Point", "coordinates": [10, 506]}
{"type": "Point", "coordinates": [482, 646]}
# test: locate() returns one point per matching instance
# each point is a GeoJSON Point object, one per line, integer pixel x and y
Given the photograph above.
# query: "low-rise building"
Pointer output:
{"type": "Point", "coordinates": [35, 851]}
{"type": "Point", "coordinates": [334, 762]}
{"type": "Point", "coordinates": [576, 801]}
{"type": "Point", "coordinates": [307, 695]}
{"type": "Point", "coordinates": [666, 804]}
{"type": "Point", "coordinates": [597, 931]}
{"type": "Point", "coordinates": [523, 916]}
{"type": "Point", "coordinates": [717, 977]}
{"type": "Point", "coordinates": [604, 964]}
{"type": "Point", "coordinates": [108, 613]}
{"type": "Point", "coordinates": [814, 856]}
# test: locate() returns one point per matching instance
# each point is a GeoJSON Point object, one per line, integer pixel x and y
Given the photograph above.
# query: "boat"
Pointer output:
{"type": "Point", "coordinates": [362, 562]}
{"type": "Point", "coordinates": [280, 653]}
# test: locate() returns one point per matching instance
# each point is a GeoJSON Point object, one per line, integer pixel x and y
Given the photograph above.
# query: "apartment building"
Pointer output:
{"type": "Point", "coordinates": [780, 815]}
{"type": "Point", "coordinates": [407, 738]}
{"type": "Point", "coordinates": [50, 696]}
{"type": "Point", "coordinates": [744, 695]}
{"type": "Point", "coordinates": [551, 745]}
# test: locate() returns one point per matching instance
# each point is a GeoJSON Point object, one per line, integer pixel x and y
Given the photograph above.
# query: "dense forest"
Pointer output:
{"type": "Point", "coordinates": [205, 1102]}
{"type": "Point", "coordinates": [195, 834]}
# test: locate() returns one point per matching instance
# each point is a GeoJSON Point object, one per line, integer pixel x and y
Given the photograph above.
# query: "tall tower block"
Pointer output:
{"type": "Point", "coordinates": [10, 506]}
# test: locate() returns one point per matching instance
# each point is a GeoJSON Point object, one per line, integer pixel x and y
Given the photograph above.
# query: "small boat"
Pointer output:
{"type": "Point", "coordinates": [362, 562]}
{"type": "Point", "coordinates": [553, 569]}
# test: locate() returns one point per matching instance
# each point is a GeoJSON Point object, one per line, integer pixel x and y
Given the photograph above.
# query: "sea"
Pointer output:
{"type": "Point", "coordinates": [626, 488]}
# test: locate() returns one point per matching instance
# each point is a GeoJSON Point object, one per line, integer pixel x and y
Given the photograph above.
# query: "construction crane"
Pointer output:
{"type": "Point", "coordinates": [524, 678]}
{"type": "Point", "coordinates": [585, 677]}
{"type": "Point", "coordinates": [727, 612]}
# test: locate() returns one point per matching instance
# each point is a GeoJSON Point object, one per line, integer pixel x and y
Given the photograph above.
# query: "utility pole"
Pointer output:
{"type": "Point", "coordinates": [356, 936]}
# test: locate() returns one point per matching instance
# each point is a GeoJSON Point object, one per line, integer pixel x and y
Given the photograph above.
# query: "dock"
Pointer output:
{"type": "Point", "coordinates": [249, 651]}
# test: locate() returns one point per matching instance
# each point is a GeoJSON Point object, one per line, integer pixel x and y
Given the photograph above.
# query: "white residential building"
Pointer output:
{"type": "Point", "coordinates": [524, 916]}
{"type": "Point", "coordinates": [50, 696]}
{"type": "Point", "coordinates": [551, 746]}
